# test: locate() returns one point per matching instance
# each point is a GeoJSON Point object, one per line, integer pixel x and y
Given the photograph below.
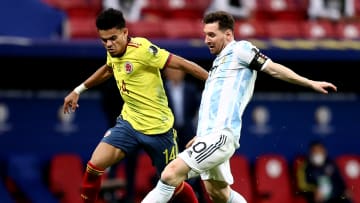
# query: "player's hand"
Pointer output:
{"type": "Point", "coordinates": [71, 102]}
{"type": "Point", "coordinates": [323, 87]}
{"type": "Point", "coordinates": [190, 142]}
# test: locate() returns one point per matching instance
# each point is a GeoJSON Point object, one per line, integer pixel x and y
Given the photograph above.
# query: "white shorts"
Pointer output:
{"type": "Point", "coordinates": [209, 156]}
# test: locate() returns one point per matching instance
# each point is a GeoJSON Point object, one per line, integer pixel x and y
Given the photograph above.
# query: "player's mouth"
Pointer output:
{"type": "Point", "coordinates": [111, 50]}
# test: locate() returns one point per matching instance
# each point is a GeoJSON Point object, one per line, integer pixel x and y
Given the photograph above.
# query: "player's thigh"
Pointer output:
{"type": "Point", "coordinates": [208, 152]}
{"type": "Point", "coordinates": [106, 155]}
{"type": "Point", "coordinates": [162, 148]}
{"type": "Point", "coordinates": [220, 174]}
{"type": "Point", "coordinates": [117, 142]}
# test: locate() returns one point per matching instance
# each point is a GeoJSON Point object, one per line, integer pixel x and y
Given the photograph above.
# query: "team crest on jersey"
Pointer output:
{"type": "Point", "coordinates": [128, 67]}
{"type": "Point", "coordinates": [153, 50]}
{"type": "Point", "coordinates": [189, 152]}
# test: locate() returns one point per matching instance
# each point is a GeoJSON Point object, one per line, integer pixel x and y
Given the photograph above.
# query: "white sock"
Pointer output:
{"type": "Point", "coordinates": [162, 193]}
{"type": "Point", "coordinates": [235, 197]}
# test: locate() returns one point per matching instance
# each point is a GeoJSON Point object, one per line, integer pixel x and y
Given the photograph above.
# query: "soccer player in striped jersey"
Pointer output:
{"type": "Point", "coordinates": [227, 92]}
{"type": "Point", "coordinates": [146, 121]}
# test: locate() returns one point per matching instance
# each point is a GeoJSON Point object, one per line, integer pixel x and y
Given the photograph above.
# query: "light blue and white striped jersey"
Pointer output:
{"type": "Point", "coordinates": [228, 90]}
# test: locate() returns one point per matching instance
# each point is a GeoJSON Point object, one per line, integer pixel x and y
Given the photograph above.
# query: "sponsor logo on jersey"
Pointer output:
{"type": "Point", "coordinates": [189, 153]}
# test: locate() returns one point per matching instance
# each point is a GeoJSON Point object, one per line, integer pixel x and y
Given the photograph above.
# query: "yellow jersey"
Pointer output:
{"type": "Point", "coordinates": [138, 77]}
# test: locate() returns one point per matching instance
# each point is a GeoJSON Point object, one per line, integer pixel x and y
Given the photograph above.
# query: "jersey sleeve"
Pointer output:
{"type": "Point", "coordinates": [156, 57]}
{"type": "Point", "coordinates": [251, 56]}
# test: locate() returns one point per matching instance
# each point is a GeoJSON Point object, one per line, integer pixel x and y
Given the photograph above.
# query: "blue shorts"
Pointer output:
{"type": "Point", "coordinates": [162, 148]}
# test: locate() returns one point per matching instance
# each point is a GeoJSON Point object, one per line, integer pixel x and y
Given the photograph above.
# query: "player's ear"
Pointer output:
{"type": "Point", "coordinates": [125, 31]}
{"type": "Point", "coordinates": [229, 33]}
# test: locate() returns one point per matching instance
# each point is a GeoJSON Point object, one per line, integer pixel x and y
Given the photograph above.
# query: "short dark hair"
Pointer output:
{"type": "Point", "coordinates": [110, 18]}
{"type": "Point", "coordinates": [226, 21]}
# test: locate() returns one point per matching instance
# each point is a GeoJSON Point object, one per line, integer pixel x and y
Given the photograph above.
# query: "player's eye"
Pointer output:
{"type": "Point", "coordinates": [211, 34]}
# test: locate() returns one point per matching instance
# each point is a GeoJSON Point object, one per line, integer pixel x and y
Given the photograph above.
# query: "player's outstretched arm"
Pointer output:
{"type": "Point", "coordinates": [190, 67]}
{"type": "Point", "coordinates": [99, 76]}
{"type": "Point", "coordinates": [283, 73]}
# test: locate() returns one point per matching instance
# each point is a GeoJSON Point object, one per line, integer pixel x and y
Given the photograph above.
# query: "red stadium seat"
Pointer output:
{"type": "Point", "coordinates": [350, 30]}
{"type": "Point", "coordinates": [81, 16]}
{"type": "Point", "coordinates": [297, 163]}
{"type": "Point", "coordinates": [65, 177]}
{"type": "Point", "coordinates": [318, 29]}
{"type": "Point", "coordinates": [284, 29]}
{"type": "Point", "coordinates": [349, 165]}
{"type": "Point", "coordinates": [279, 10]}
{"type": "Point", "coordinates": [182, 28]}
{"type": "Point", "coordinates": [242, 177]}
{"type": "Point", "coordinates": [148, 29]}
{"type": "Point", "coordinates": [144, 176]}
{"type": "Point", "coordinates": [357, 8]}
{"type": "Point", "coordinates": [155, 9]}
{"type": "Point", "coordinates": [272, 177]}
{"type": "Point", "coordinates": [66, 4]}
{"type": "Point", "coordinates": [249, 29]}
{"type": "Point", "coordinates": [187, 9]}
{"type": "Point", "coordinates": [82, 28]}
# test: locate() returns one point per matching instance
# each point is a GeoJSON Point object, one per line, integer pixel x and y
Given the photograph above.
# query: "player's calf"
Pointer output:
{"type": "Point", "coordinates": [91, 183]}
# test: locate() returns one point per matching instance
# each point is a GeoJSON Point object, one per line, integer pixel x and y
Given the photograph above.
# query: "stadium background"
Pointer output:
{"type": "Point", "coordinates": [40, 66]}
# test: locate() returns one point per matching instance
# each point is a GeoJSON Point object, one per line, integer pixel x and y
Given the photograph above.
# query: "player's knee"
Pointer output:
{"type": "Point", "coordinates": [173, 175]}
{"type": "Point", "coordinates": [169, 176]}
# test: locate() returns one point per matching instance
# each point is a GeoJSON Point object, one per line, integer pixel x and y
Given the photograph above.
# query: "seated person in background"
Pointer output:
{"type": "Point", "coordinates": [130, 8]}
{"type": "Point", "coordinates": [240, 9]}
{"type": "Point", "coordinates": [184, 101]}
{"type": "Point", "coordinates": [319, 178]}
{"type": "Point", "coordinates": [334, 10]}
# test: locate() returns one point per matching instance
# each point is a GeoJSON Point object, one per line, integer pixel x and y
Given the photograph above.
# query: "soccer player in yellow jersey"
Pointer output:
{"type": "Point", "coordinates": [146, 121]}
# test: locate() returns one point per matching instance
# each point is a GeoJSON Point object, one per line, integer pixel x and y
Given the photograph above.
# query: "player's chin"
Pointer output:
{"type": "Point", "coordinates": [212, 50]}
{"type": "Point", "coordinates": [112, 53]}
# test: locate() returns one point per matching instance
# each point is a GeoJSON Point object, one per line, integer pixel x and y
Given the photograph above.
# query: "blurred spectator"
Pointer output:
{"type": "Point", "coordinates": [184, 100]}
{"type": "Point", "coordinates": [334, 10]}
{"type": "Point", "coordinates": [130, 8]}
{"type": "Point", "coordinates": [240, 9]}
{"type": "Point", "coordinates": [319, 177]}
